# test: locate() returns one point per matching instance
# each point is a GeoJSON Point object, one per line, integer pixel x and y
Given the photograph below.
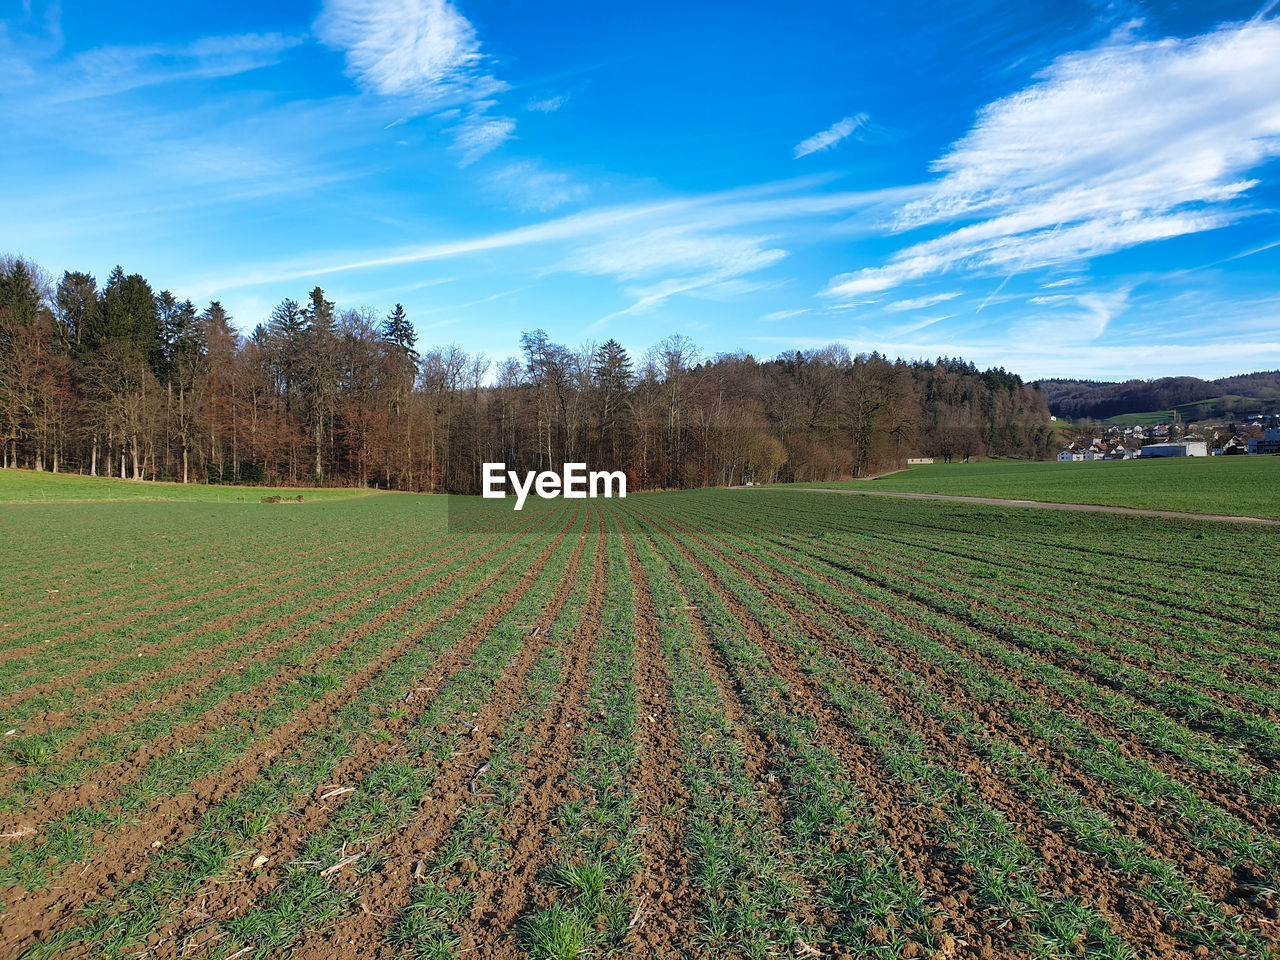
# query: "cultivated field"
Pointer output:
{"type": "Point", "coordinates": [1241, 486]}
{"type": "Point", "coordinates": [714, 724]}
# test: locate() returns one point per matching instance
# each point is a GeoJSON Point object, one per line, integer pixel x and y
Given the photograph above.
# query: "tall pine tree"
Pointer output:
{"type": "Point", "coordinates": [398, 330]}
{"type": "Point", "coordinates": [131, 318]}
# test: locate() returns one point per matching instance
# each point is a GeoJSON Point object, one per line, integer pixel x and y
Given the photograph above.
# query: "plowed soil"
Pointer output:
{"type": "Point", "coordinates": [702, 725]}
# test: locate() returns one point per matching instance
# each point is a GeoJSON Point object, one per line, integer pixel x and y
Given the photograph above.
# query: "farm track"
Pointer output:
{"type": "Point", "coordinates": [1046, 505]}
{"type": "Point", "coordinates": [672, 726]}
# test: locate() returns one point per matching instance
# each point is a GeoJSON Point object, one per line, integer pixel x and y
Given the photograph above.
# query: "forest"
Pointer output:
{"type": "Point", "coordinates": [1231, 396]}
{"type": "Point", "coordinates": [118, 380]}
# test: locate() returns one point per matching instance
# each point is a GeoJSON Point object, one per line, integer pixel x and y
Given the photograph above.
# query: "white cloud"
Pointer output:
{"type": "Point", "coordinates": [673, 248]}
{"type": "Point", "coordinates": [1075, 318]}
{"type": "Point", "coordinates": [28, 39]}
{"type": "Point", "coordinates": [789, 206]}
{"type": "Point", "coordinates": [423, 49]}
{"type": "Point", "coordinates": [683, 246]}
{"type": "Point", "coordinates": [479, 135]}
{"type": "Point", "coordinates": [1129, 143]}
{"type": "Point", "coordinates": [109, 70]}
{"type": "Point", "coordinates": [548, 104]}
{"type": "Point", "coordinates": [527, 186]}
{"type": "Point", "coordinates": [919, 303]}
{"type": "Point", "coordinates": [828, 138]}
{"type": "Point", "coordinates": [672, 260]}
{"type": "Point", "coordinates": [783, 315]}
{"type": "Point", "coordinates": [426, 52]}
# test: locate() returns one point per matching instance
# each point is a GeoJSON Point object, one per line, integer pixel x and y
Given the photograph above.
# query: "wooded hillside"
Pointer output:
{"type": "Point", "coordinates": [1079, 399]}
{"type": "Point", "coordinates": [119, 380]}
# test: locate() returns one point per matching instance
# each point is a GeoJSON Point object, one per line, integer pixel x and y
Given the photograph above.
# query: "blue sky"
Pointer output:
{"type": "Point", "coordinates": [1085, 190]}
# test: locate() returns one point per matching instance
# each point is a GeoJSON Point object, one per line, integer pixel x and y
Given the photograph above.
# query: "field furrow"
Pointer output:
{"type": "Point", "coordinates": [949, 740]}
{"type": "Point", "coordinates": [129, 851]}
{"type": "Point", "coordinates": [695, 725]}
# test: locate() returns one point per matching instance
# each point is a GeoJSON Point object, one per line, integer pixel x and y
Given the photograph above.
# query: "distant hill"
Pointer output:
{"type": "Point", "coordinates": [1194, 398]}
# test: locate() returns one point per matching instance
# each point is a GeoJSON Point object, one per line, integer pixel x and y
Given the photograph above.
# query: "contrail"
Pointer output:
{"type": "Point", "coordinates": [996, 292]}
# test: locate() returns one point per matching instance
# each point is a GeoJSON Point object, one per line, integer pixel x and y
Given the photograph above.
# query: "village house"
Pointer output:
{"type": "Point", "coordinates": [1269, 442]}
{"type": "Point", "coordinates": [1098, 450]}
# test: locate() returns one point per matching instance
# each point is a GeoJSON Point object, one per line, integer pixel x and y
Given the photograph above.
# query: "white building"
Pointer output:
{"type": "Point", "coordinates": [1188, 448]}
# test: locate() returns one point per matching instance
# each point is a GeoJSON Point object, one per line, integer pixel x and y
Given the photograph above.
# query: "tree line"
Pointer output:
{"type": "Point", "coordinates": [118, 380]}
{"type": "Point", "coordinates": [1091, 399]}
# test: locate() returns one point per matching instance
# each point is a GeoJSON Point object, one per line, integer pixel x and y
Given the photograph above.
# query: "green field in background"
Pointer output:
{"type": "Point", "coordinates": [1235, 486]}
{"type": "Point", "coordinates": [25, 486]}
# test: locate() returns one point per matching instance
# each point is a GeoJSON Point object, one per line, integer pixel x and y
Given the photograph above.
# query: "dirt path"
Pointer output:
{"type": "Point", "coordinates": [1041, 504]}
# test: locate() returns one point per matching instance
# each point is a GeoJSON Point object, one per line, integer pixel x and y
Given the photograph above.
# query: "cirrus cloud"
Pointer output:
{"type": "Point", "coordinates": [828, 138]}
{"type": "Point", "coordinates": [1132, 142]}
{"type": "Point", "coordinates": [423, 49]}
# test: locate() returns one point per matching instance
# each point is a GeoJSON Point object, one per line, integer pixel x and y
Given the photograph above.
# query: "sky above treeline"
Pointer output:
{"type": "Point", "coordinates": [1063, 189]}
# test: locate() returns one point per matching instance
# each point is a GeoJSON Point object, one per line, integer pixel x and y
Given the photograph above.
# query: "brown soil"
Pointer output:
{"type": "Point", "coordinates": [112, 778]}
{"type": "Point", "coordinates": [661, 891]}
{"type": "Point", "coordinates": [1062, 561]}
{"type": "Point", "coordinates": [384, 894]}
{"type": "Point", "coordinates": [502, 897]}
{"type": "Point", "coordinates": [787, 613]}
{"type": "Point", "coordinates": [1136, 821]}
{"type": "Point", "coordinates": [52, 719]}
{"type": "Point", "coordinates": [185, 592]}
{"type": "Point", "coordinates": [180, 594]}
{"type": "Point", "coordinates": [124, 857]}
{"type": "Point", "coordinates": [976, 930]}
{"type": "Point", "coordinates": [1165, 585]}
{"type": "Point", "coordinates": [343, 603]}
{"type": "Point", "coordinates": [1208, 785]}
{"type": "Point", "coordinates": [943, 584]}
